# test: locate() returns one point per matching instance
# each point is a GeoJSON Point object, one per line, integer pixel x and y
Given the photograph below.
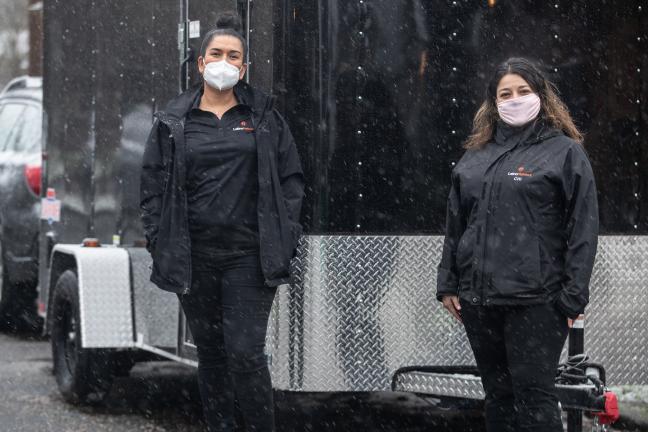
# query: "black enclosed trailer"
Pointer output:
{"type": "Point", "coordinates": [379, 95]}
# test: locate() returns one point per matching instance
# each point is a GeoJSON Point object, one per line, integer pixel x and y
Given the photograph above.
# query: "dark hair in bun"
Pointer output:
{"type": "Point", "coordinates": [227, 24]}
{"type": "Point", "coordinates": [229, 20]}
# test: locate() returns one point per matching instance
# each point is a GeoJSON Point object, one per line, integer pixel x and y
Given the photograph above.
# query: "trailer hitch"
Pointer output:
{"type": "Point", "coordinates": [599, 402]}
{"type": "Point", "coordinates": [609, 415]}
{"type": "Point", "coordinates": [580, 387]}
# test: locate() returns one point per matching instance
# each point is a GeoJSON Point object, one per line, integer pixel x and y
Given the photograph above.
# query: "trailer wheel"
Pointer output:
{"type": "Point", "coordinates": [83, 375]}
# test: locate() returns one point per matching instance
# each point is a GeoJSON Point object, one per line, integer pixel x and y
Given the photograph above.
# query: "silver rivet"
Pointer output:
{"type": "Point", "coordinates": [359, 132]}
{"type": "Point", "coordinates": [359, 163]}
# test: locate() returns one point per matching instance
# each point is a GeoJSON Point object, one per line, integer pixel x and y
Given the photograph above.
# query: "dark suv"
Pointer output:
{"type": "Point", "coordinates": [20, 184]}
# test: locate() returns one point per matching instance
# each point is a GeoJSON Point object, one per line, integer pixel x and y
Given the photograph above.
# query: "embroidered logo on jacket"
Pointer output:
{"type": "Point", "coordinates": [243, 127]}
{"type": "Point", "coordinates": [521, 172]}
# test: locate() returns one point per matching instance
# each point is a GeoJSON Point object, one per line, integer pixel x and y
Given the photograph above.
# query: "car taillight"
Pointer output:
{"type": "Point", "coordinates": [33, 177]}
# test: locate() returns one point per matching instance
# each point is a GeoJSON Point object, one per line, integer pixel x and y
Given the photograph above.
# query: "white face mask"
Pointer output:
{"type": "Point", "coordinates": [221, 75]}
{"type": "Point", "coordinates": [519, 111]}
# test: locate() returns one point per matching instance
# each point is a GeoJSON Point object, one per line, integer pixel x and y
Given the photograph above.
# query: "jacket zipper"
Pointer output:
{"type": "Point", "coordinates": [187, 287]}
{"type": "Point", "coordinates": [498, 164]}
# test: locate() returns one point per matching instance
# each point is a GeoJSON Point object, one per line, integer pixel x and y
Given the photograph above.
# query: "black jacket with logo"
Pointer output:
{"type": "Point", "coordinates": [522, 222]}
{"type": "Point", "coordinates": [163, 191]}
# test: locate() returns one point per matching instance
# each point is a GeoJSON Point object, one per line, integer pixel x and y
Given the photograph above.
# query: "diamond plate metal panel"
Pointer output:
{"type": "Point", "coordinates": [616, 333]}
{"type": "Point", "coordinates": [278, 337]}
{"type": "Point", "coordinates": [360, 308]}
{"type": "Point", "coordinates": [104, 296]}
{"type": "Point", "coordinates": [363, 306]}
{"type": "Point", "coordinates": [464, 386]}
{"type": "Point", "coordinates": [156, 311]}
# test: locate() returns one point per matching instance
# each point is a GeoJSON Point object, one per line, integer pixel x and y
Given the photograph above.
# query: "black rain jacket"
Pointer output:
{"type": "Point", "coordinates": [522, 222]}
{"type": "Point", "coordinates": [164, 197]}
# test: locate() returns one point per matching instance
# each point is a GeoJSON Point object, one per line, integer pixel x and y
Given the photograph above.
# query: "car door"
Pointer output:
{"type": "Point", "coordinates": [26, 137]}
{"type": "Point", "coordinates": [10, 116]}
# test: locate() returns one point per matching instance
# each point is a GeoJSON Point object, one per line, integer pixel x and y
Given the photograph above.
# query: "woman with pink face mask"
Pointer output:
{"type": "Point", "coordinates": [521, 235]}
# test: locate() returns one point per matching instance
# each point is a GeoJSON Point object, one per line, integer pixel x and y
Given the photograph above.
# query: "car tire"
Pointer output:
{"type": "Point", "coordinates": [17, 303]}
{"type": "Point", "coordinates": [5, 294]}
{"type": "Point", "coordinates": [84, 376]}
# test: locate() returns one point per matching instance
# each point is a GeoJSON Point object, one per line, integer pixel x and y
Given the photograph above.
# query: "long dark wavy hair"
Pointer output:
{"type": "Point", "coordinates": [553, 110]}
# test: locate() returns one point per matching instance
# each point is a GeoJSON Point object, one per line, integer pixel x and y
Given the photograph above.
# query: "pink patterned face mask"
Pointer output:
{"type": "Point", "coordinates": [519, 111]}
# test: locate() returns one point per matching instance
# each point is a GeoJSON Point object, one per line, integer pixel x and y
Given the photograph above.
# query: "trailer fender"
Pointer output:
{"type": "Point", "coordinates": [105, 297]}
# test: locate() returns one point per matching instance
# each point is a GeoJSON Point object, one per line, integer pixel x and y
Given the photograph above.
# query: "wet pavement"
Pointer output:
{"type": "Point", "coordinates": [163, 397]}
{"type": "Point", "coordinates": [156, 397]}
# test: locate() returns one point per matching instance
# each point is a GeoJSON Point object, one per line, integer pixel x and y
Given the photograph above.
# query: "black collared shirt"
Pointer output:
{"type": "Point", "coordinates": [222, 181]}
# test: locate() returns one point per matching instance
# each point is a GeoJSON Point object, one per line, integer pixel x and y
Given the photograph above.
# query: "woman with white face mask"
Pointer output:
{"type": "Point", "coordinates": [521, 235]}
{"type": "Point", "coordinates": [221, 193]}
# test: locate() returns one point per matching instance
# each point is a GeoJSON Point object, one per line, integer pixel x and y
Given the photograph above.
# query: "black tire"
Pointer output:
{"type": "Point", "coordinates": [17, 303]}
{"type": "Point", "coordinates": [84, 376]}
{"type": "Point", "coordinates": [5, 291]}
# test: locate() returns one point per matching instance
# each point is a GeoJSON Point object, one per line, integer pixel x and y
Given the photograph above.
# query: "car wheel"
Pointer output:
{"type": "Point", "coordinates": [4, 286]}
{"type": "Point", "coordinates": [7, 294]}
{"type": "Point", "coordinates": [17, 303]}
{"type": "Point", "coordinates": [84, 376]}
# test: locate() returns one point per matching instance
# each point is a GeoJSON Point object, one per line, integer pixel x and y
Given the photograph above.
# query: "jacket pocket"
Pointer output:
{"type": "Point", "coordinates": [516, 272]}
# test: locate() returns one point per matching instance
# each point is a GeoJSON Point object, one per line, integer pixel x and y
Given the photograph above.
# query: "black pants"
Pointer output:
{"type": "Point", "coordinates": [517, 349]}
{"type": "Point", "coordinates": [227, 312]}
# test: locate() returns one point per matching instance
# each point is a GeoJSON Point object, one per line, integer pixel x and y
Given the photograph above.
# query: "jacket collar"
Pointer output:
{"type": "Point", "coordinates": [532, 133]}
{"type": "Point", "coordinates": [257, 100]}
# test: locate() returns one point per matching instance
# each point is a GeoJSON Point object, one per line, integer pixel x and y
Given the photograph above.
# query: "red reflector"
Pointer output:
{"type": "Point", "coordinates": [611, 413]}
{"type": "Point", "coordinates": [33, 177]}
{"type": "Point", "coordinates": [91, 242]}
{"type": "Point", "coordinates": [41, 308]}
